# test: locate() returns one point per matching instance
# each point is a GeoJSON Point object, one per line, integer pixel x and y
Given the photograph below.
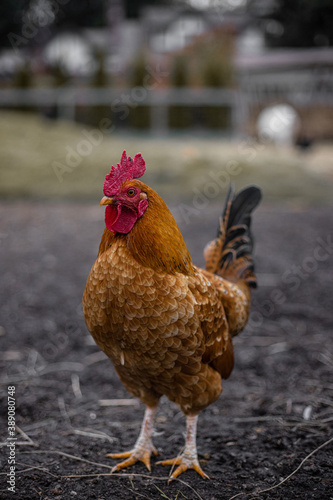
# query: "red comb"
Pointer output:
{"type": "Point", "coordinates": [129, 168]}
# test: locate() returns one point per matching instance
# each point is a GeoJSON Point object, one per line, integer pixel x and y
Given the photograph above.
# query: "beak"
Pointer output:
{"type": "Point", "coordinates": [107, 201]}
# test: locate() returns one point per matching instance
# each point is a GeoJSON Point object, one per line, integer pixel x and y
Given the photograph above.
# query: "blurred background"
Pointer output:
{"type": "Point", "coordinates": [210, 92]}
{"type": "Point", "coordinates": [240, 88]}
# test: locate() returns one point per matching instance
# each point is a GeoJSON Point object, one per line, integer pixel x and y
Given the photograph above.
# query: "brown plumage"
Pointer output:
{"type": "Point", "coordinates": [165, 324]}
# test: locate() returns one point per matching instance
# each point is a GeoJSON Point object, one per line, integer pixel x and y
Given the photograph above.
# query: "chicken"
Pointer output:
{"type": "Point", "coordinates": [165, 324]}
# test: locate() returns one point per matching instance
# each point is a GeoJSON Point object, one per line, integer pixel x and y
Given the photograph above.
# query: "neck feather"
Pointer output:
{"type": "Point", "coordinates": [155, 240]}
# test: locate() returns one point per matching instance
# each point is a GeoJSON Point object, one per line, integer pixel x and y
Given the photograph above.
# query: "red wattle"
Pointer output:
{"type": "Point", "coordinates": [119, 218]}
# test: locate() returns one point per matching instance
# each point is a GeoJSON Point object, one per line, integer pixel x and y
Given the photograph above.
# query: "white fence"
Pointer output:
{"type": "Point", "coordinates": [297, 88]}
{"type": "Point", "coordinates": [66, 100]}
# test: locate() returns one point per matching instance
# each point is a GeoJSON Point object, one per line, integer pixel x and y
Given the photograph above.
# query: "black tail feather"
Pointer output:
{"type": "Point", "coordinates": [230, 255]}
{"type": "Point", "coordinates": [242, 205]}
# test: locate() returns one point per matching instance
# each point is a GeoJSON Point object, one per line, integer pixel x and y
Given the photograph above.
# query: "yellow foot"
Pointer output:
{"type": "Point", "coordinates": [139, 453]}
{"type": "Point", "coordinates": [189, 458]}
{"type": "Point", "coordinates": [184, 463]}
{"type": "Point", "coordinates": [143, 447]}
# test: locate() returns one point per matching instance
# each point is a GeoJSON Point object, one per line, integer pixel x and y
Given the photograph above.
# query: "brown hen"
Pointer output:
{"type": "Point", "coordinates": [165, 324]}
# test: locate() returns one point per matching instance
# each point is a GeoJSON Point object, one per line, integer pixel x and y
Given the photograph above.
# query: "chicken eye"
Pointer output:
{"type": "Point", "coordinates": [131, 192]}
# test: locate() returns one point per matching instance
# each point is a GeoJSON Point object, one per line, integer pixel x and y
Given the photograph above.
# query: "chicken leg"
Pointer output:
{"type": "Point", "coordinates": [189, 458]}
{"type": "Point", "coordinates": [143, 446]}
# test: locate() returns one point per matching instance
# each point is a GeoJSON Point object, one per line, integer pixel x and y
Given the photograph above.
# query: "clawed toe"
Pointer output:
{"type": "Point", "coordinates": [143, 447]}
{"type": "Point", "coordinates": [131, 460]}
{"type": "Point", "coordinates": [189, 458]}
{"type": "Point", "coordinates": [133, 456]}
{"type": "Point", "coordinates": [184, 463]}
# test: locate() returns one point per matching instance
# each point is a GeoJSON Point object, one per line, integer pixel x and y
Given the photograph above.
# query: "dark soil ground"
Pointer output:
{"type": "Point", "coordinates": [269, 436]}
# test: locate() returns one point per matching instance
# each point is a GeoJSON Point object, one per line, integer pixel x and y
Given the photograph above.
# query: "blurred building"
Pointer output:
{"type": "Point", "coordinates": [230, 40]}
{"type": "Point", "coordinates": [302, 78]}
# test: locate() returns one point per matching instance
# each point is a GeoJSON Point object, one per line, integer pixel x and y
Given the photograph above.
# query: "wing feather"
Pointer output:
{"type": "Point", "coordinates": [223, 312]}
